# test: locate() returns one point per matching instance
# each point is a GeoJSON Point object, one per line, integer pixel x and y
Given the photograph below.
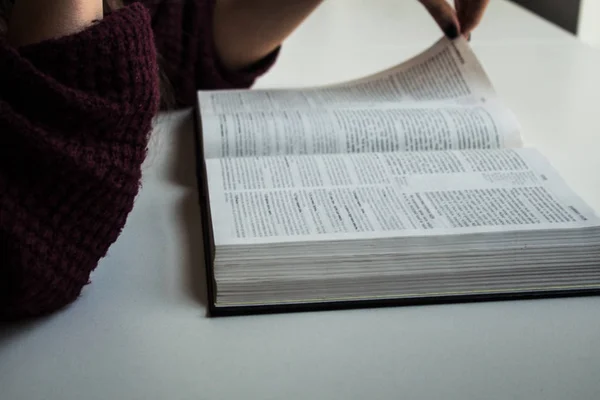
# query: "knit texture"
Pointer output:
{"type": "Point", "coordinates": [75, 117]}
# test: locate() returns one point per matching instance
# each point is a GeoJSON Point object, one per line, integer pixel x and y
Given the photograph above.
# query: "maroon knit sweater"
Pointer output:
{"type": "Point", "coordinates": [75, 116]}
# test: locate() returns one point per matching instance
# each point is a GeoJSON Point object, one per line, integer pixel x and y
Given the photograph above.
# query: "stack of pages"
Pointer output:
{"type": "Point", "coordinates": [408, 186]}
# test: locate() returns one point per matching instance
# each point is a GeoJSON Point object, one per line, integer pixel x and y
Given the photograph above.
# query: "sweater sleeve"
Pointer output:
{"type": "Point", "coordinates": [75, 115]}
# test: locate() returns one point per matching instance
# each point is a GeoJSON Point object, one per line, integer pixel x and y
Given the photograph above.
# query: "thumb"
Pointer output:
{"type": "Point", "coordinates": [445, 16]}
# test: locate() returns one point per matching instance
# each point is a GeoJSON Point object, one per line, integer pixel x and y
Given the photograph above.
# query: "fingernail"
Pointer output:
{"type": "Point", "coordinates": [451, 31]}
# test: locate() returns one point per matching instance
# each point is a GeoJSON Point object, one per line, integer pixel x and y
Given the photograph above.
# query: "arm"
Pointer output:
{"type": "Point", "coordinates": [35, 20]}
{"type": "Point", "coordinates": [245, 31]}
{"type": "Point", "coordinates": [75, 115]}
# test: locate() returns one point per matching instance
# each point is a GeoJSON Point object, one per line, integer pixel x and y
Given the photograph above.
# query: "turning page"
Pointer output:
{"type": "Point", "coordinates": [378, 195]}
{"type": "Point", "coordinates": [448, 71]}
{"type": "Point", "coordinates": [439, 100]}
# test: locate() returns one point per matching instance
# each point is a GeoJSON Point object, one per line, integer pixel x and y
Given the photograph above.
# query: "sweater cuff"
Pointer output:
{"type": "Point", "coordinates": [247, 76]}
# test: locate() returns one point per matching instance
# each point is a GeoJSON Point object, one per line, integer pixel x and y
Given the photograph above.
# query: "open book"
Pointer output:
{"type": "Point", "coordinates": [408, 186]}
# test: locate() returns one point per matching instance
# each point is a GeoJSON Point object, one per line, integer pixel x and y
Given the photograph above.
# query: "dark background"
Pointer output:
{"type": "Point", "coordinates": [564, 13]}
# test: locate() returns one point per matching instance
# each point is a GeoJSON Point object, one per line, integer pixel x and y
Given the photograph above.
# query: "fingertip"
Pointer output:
{"type": "Point", "coordinates": [451, 31]}
{"type": "Point", "coordinates": [445, 16]}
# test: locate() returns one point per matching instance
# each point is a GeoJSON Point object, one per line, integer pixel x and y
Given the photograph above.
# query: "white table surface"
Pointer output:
{"type": "Point", "coordinates": [140, 330]}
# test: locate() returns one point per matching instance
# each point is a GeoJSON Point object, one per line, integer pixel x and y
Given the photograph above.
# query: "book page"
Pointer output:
{"type": "Point", "coordinates": [359, 130]}
{"type": "Point", "coordinates": [439, 100]}
{"type": "Point", "coordinates": [378, 195]}
{"type": "Point", "coordinates": [448, 71]}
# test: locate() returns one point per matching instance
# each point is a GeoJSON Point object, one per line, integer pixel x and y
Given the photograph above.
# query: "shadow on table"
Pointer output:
{"type": "Point", "coordinates": [10, 330]}
{"type": "Point", "coordinates": [181, 167]}
{"type": "Point", "coordinates": [181, 170]}
{"type": "Point", "coordinates": [7, 331]}
{"type": "Point", "coordinates": [195, 284]}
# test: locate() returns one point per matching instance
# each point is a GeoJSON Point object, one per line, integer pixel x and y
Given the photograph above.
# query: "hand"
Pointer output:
{"type": "Point", "coordinates": [461, 19]}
